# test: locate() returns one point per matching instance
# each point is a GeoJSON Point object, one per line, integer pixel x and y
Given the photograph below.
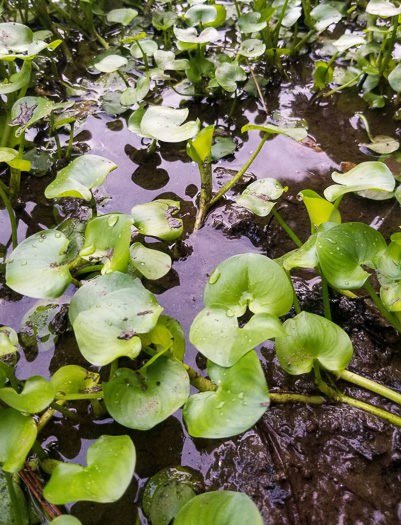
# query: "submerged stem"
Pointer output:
{"type": "Point", "coordinates": [369, 385]}
{"type": "Point", "coordinates": [205, 194]}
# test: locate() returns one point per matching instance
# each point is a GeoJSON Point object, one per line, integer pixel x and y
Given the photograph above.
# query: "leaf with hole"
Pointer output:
{"type": "Point", "coordinates": [258, 196]}
{"type": "Point", "coordinates": [29, 110]}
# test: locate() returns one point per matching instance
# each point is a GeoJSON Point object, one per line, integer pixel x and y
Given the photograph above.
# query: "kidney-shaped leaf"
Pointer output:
{"type": "Point", "coordinates": [17, 435]}
{"type": "Point", "coordinates": [311, 337]}
{"type": "Point", "coordinates": [108, 63]}
{"type": "Point", "coordinates": [382, 8]}
{"type": "Point", "coordinates": [74, 379]}
{"type": "Point", "coordinates": [167, 124]}
{"type": "Point", "coordinates": [249, 280]}
{"type": "Point", "coordinates": [343, 249]}
{"type": "Point", "coordinates": [8, 340]}
{"type": "Point", "coordinates": [111, 464]}
{"type": "Point", "coordinates": [108, 313]}
{"type": "Point", "coordinates": [200, 14]}
{"type": "Point", "coordinates": [122, 16]}
{"type": "Point", "coordinates": [216, 334]}
{"type": "Point", "coordinates": [250, 23]}
{"type": "Point", "coordinates": [35, 266]}
{"type": "Point", "coordinates": [220, 508]}
{"type": "Point", "coordinates": [18, 41]}
{"type": "Point", "coordinates": [36, 395]}
{"type": "Point", "coordinates": [66, 519]}
{"type": "Point", "coordinates": [258, 196]}
{"type": "Point", "coordinates": [29, 110]}
{"type": "Point", "coordinates": [82, 174]}
{"type": "Point", "coordinates": [365, 176]}
{"type": "Point", "coordinates": [152, 264]}
{"type": "Point", "coordinates": [156, 219]}
{"type": "Point", "coordinates": [190, 35]}
{"type": "Point", "coordinates": [239, 402]}
{"type": "Point", "coordinates": [252, 48]}
{"type": "Point", "coordinates": [297, 134]}
{"type": "Point", "coordinates": [144, 402]}
{"type": "Point", "coordinates": [227, 76]}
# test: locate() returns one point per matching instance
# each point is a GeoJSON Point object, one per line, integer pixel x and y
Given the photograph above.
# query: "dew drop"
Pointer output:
{"type": "Point", "coordinates": [220, 405]}
{"type": "Point", "coordinates": [24, 263]}
{"type": "Point", "coordinates": [112, 220]}
{"type": "Point", "coordinates": [58, 235]}
{"type": "Point", "coordinates": [230, 313]}
{"type": "Point", "coordinates": [347, 283]}
{"type": "Point", "coordinates": [88, 251]}
{"type": "Point", "coordinates": [214, 277]}
{"type": "Point", "coordinates": [241, 395]}
{"type": "Point", "coordinates": [10, 261]}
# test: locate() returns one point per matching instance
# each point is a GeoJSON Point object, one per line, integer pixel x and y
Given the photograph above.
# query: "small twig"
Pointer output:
{"type": "Point", "coordinates": [36, 488]}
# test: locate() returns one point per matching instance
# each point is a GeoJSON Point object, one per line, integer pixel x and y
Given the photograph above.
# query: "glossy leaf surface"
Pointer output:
{"type": "Point", "coordinates": [17, 435]}
{"type": "Point", "coordinates": [258, 196]}
{"type": "Point", "coordinates": [36, 395]}
{"type": "Point", "coordinates": [152, 264]}
{"type": "Point", "coordinates": [156, 219]}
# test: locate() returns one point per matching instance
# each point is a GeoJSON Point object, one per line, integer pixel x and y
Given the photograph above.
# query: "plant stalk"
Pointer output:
{"type": "Point", "coordinates": [205, 194]}
{"type": "Point", "coordinates": [385, 313]}
{"type": "Point", "coordinates": [287, 229]}
{"type": "Point", "coordinates": [369, 385]}
{"type": "Point", "coordinates": [11, 215]}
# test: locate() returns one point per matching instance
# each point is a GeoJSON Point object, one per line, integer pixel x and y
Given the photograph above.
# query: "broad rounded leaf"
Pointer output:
{"type": "Point", "coordinates": [390, 294]}
{"type": "Point", "coordinates": [165, 60]}
{"type": "Point", "coordinates": [38, 330]}
{"type": "Point", "coordinates": [382, 144]}
{"type": "Point", "coordinates": [18, 41]}
{"type": "Point", "coordinates": [319, 209]}
{"type": "Point", "coordinates": [216, 334]}
{"type": "Point", "coordinates": [382, 8]}
{"type": "Point", "coordinates": [325, 15]}
{"type": "Point", "coordinates": [7, 506]}
{"type": "Point", "coordinates": [252, 48]}
{"type": "Point", "coordinates": [152, 264]}
{"type": "Point", "coordinates": [156, 219]}
{"type": "Point", "coordinates": [36, 395]}
{"type": "Point", "coordinates": [111, 464]}
{"type": "Point", "coordinates": [200, 14]}
{"type": "Point", "coordinates": [220, 508]}
{"type": "Point", "coordinates": [227, 76]}
{"type": "Point", "coordinates": [343, 249]}
{"type": "Point", "coordinates": [8, 340]}
{"type": "Point", "coordinates": [297, 134]}
{"type": "Point", "coordinates": [199, 148]}
{"type": "Point", "coordinates": [249, 281]}
{"type": "Point", "coordinates": [239, 402]}
{"type": "Point", "coordinates": [163, 20]}
{"type": "Point", "coordinates": [167, 124]}
{"type": "Point", "coordinates": [108, 313]}
{"type": "Point", "coordinates": [190, 35]}
{"type": "Point", "coordinates": [74, 379]}
{"type": "Point", "coordinates": [133, 95]}
{"type": "Point", "coordinates": [222, 147]}
{"type": "Point", "coordinates": [82, 174]}
{"type": "Point", "coordinates": [348, 40]}
{"type": "Point", "coordinates": [18, 80]}
{"type": "Point", "coordinates": [66, 519]}
{"type": "Point", "coordinates": [35, 268]}
{"type": "Point", "coordinates": [250, 23]}
{"type": "Point", "coordinates": [122, 16]}
{"type": "Point", "coordinates": [365, 176]}
{"type": "Point", "coordinates": [311, 337]}
{"type": "Point", "coordinates": [109, 63]}
{"type": "Point", "coordinates": [29, 110]}
{"type": "Point", "coordinates": [142, 402]}
{"type": "Point", "coordinates": [258, 195]}
{"type": "Point", "coordinates": [147, 47]}
{"type": "Point", "coordinates": [394, 78]}
{"type": "Point", "coordinates": [303, 257]}
{"type": "Point", "coordinates": [17, 435]}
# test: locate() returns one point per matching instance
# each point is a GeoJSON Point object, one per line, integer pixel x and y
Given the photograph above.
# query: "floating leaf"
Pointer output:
{"type": "Point", "coordinates": [29, 110]}
{"type": "Point", "coordinates": [167, 335]}
{"type": "Point", "coordinates": [37, 331]}
{"type": "Point", "coordinates": [80, 176]}
{"type": "Point", "coordinates": [35, 268]}
{"type": "Point", "coordinates": [325, 15]}
{"type": "Point", "coordinates": [121, 16]}
{"type": "Point", "coordinates": [17, 41]}
{"type": "Point", "coordinates": [8, 341]}
{"type": "Point", "coordinates": [319, 210]}
{"type": "Point", "coordinates": [108, 236]}
{"type": "Point", "coordinates": [36, 395]}
{"type": "Point", "coordinates": [297, 134]}
{"type": "Point", "coordinates": [227, 76]}
{"type": "Point", "coordinates": [311, 337]}
{"type": "Point", "coordinates": [374, 101]}
{"type": "Point", "coordinates": [152, 264]}
{"type": "Point", "coordinates": [143, 401]}
{"type": "Point", "coordinates": [190, 35]}
{"type": "Point", "coordinates": [133, 95]}
{"type": "Point", "coordinates": [74, 379]}
{"type": "Point", "coordinates": [222, 147]}
{"type": "Point", "coordinates": [107, 314]}
{"type": "Point", "coordinates": [200, 14]}
{"type": "Point", "coordinates": [7, 506]}
{"type": "Point", "coordinates": [146, 47]}
{"type": "Point", "coordinates": [348, 40]}
{"type": "Point", "coordinates": [258, 195]}
{"type": "Point", "coordinates": [108, 63]}
{"type": "Point", "coordinates": [365, 176]}
{"type": "Point", "coordinates": [167, 124]}
{"type": "Point", "coordinates": [216, 334]}
{"type": "Point", "coordinates": [252, 48]}
{"type": "Point", "coordinates": [17, 435]}
{"type": "Point", "coordinates": [163, 20]}
{"type": "Point", "coordinates": [165, 60]}
{"type": "Point", "coordinates": [239, 402]}
{"type": "Point", "coordinates": [343, 250]}
{"type": "Point", "coordinates": [251, 22]}
{"type": "Point", "coordinates": [221, 508]}
{"type": "Point", "coordinates": [382, 144]}
{"type": "Point", "coordinates": [156, 219]}
{"type": "Point", "coordinates": [382, 8]}
{"type": "Point", "coordinates": [111, 464]}
{"type": "Point", "coordinates": [249, 281]}
{"type": "Point", "coordinates": [65, 519]}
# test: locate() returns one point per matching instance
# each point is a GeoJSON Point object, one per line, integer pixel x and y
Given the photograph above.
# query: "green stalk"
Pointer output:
{"type": "Point", "coordinates": [206, 193]}
{"type": "Point", "coordinates": [287, 229]}
{"type": "Point", "coordinates": [369, 385]}
{"type": "Point", "coordinates": [238, 175]}
{"type": "Point", "coordinates": [344, 85]}
{"type": "Point", "coordinates": [233, 105]}
{"type": "Point", "coordinates": [15, 183]}
{"type": "Point", "coordinates": [303, 41]}
{"type": "Point", "coordinates": [93, 205]}
{"type": "Point", "coordinates": [390, 46]}
{"type": "Point", "coordinates": [57, 138]}
{"type": "Point", "coordinates": [279, 22]}
{"type": "Point", "coordinates": [15, 504]}
{"type": "Point", "coordinates": [13, 221]}
{"type": "Point", "coordinates": [122, 76]}
{"type": "Point", "coordinates": [79, 397]}
{"type": "Point", "coordinates": [198, 381]}
{"type": "Point", "coordinates": [113, 368]}
{"type": "Point", "coordinates": [66, 413]}
{"type": "Point", "coordinates": [326, 298]}
{"type": "Point", "coordinates": [383, 310]}
{"type": "Point", "coordinates": [89, 269]}
{"type": "Point", "coordinates": [69, 147]}
{"type": "Point", "coordinates": [279, 397]}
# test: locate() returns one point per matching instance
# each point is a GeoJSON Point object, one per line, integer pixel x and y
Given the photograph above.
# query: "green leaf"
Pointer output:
{"type": "Point", "coordinates": [108, 236]}
{"type": "Point", "coordinates": [239, 402]}
{"type": "Point", "coordinates": [222, 507]}
{"type": "Point", "coordinates": [29, 110]}
{"type": "Point", "coordinates": [382, 8]}
{"type": "Point", "coordinates": [319, 210]}
{"type": "Point", "coordinates": [163, 20]}
{"type": "Point", "coordinates": [200, 14]}
{"type": "Point", "coordinates": [80, 176]}
{"type": "Point", "coordinates": [7, 513]}
{"type": "Point", "coordinates": [303, 257]}
{"type": "Point", "coordinates": [167, 492]}
{"type": "Point", "coordinates": [167, 124]}
{"type": "Point", "coordinates": [222, 147]}
{"type": "Point", "coordinates": [258, 195]}
{"type": "Point", "coordinates": [298, 134]}
{"type": "Point", "coordinates": [107, 314]}
{"type": "Point", "coordinates": [323, 75]}
{"type": "Point", "coordinates": [311, 337]}
{"type": "Point", "coordinates": [35, 268]}
{"type": "Point", "coordinates": [165, 60]}
{"type": "Point", "coordinates": [365, 176]}
{"type": "Point", "coordinates": [111, 103]}
{"type": "Point", "coordinates": [133, 95]}
{"type": "Point", "coordinates": [190, 35]}
{"type": "Point", "coordinates": [36, 395]}
{"type": "Point", "coordinates": [343, 250]}
{"type": "Point", "coordinates": [374, 101]}
{"type": "Point", "coordinates": [142, 401]}
{"type": "Point", "coordinates": [390, 294]}
{"type": "Point", "coordinates": [37, 330]}
{"type": "Point", "coordinates": [199, 148]}
{"type": "Point", "coordinates": [147, 46]}
{"type": "Point", "coordinates": [152, 264]}
{"type": "Point", "coordinates": [251, 23]}
{"type": "Point", "coordinates": [325, 15]}
{"type": "Point", "coordinates": [382, 144]}
{"type": "Point", "coordinates": [348, 40]}
{"type": "Point", "coordinates": [71, 379]}
{"type": "Point", "coordinates": [111, 464]}
{"type": "Point", "coordinates": [121, 16]}
{"type": "Point", "coordinates": [216, 334]}
{"type": "Point", "coordinates": [220, 16]}
{"type": "Point", "coordinates": [7, 154]}
{"type": "Point", "coordinates": [17, 41]}
{"type": "Point", "coordinates": [8, 341]}
{"type": "Point", "coordinates": [65, 519]}
{"type": "Point", "coordinates": [227, 76]}
{"type": "Point", "coordinates": [249, 281]}
{"type": "Point", "coordinates": [394, 78]}
{"type": "Point", "coordinates": [252, 48]}
{"type": "Point", "coordinates": [389, 263]}
{"type": "Point", "coordinates": [156, 219]}
{"type": "Point", "coordinates": [18, 80]}
{"type": "Point", "coordinates": [17, 435]}
{"type": "Point", "coordinates": [108, 63]}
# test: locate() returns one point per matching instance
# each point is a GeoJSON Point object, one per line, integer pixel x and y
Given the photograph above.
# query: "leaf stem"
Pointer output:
{"type": "Point", "coordinates": [385, 313]}
{"type": "Point", "coordinates": [89, 269]}
{"type": "Point", "coordinates": [369, 385]}
{"type": "Point", "coordinates": [287, 229]}
{"type": "Point", "coordinates": [11, 215]}
{"type": "Point", "coordinates": [113, 368]}
{"type": "Point", "coordinates": [326, 298]}
{"type": "Point", "coordinates": [281, 397]}
{"type": "Point", "coordinates": [79, 397]}
{"type": "Point", "coordinates": [205, 194]}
